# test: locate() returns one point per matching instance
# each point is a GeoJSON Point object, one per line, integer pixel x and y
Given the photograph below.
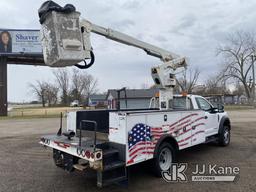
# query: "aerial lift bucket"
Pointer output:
{"type": "Point", "coordinates": [62, 39]}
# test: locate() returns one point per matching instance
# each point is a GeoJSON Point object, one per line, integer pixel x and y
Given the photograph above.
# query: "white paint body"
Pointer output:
{"type": "Point", "coordinates": [122, 123]}
{"type": "Point", "coordinates": [188, 127]}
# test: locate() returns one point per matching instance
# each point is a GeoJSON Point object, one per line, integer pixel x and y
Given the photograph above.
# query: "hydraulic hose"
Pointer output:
{"type": "Point", "coordinates": [86, 66]}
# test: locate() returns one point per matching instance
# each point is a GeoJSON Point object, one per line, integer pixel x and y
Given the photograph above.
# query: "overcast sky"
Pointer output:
{"type": "Point", "coordinates": [190, 28]}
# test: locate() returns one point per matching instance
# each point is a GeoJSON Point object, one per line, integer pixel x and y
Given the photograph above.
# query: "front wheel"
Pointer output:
{"type": "Point", "coordinates": [165, 156]}
{"type": "Point", "coordinates": [224, 136]}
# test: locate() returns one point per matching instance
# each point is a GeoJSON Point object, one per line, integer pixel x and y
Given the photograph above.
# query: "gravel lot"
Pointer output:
{"type": "Point", "coordinates": [26, 166]}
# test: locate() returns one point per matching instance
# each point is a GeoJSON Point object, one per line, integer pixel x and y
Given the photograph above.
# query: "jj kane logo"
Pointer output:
{"type": "Point", "coordinates": [178, 173]}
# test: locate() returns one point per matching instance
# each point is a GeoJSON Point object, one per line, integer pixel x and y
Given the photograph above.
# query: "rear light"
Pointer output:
{"type": "Point", "coordinates": [92, 155]}
{"type": "Point", "coordinates": [98, 155]}
{"type": "Point", "coordinates": [45, 141]}
{"type": "Point", "coordinates": [87, 154]}
{"type": "Point", "coordinates": [83, 153]}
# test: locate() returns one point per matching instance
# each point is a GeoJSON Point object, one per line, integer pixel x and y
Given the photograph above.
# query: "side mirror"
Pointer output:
{"type": "Point", "coordinates": [220, 108]}
{"type": "Point", "coordinates": [214, 110]}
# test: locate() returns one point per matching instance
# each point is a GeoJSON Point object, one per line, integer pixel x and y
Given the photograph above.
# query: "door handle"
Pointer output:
{"type": "Point", "coordinates": [165, 117]}
{"type": "Point", "coordinates": [206, 117]}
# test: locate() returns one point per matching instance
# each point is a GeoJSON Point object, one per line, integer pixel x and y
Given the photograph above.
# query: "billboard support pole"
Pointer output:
{"type": "Point", "coordinates": [3, 86]}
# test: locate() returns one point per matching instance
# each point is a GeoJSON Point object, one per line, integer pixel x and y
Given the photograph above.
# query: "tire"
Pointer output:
{"type": "Point", "coordinates": [64, 160]}
{"type": "Point", "coordinates": [224, 136]}
{"type": "Point", "coordinates": [165, 156]}
{"type": "Point", "coordinates": [58, 158]}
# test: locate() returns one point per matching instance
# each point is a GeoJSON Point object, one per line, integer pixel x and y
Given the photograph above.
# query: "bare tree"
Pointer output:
{"type": "Point", "coordinates": [45, 92]}
{"type": "Point", "coordinates": [188, 80]}
{"type": "Point", "coordinates": [90, 87]}
{"type": "Point", "coordinates": [237, 52]}
{"type": "Point", "coordinates": [213, 85]}
{"type": "Point", "coordinates": [62, 77]}
{"type": "Point", "coordinates": [83, 85]}
{"type": "Point", "coordinates": [77, 85]}
{"type": "Point", "coordinates": [39, 89]}
{"type": "Point", "coordinates": [51, 94]}
{"type": "Point", "coordinates": [239, 89]}
{"type": "Point", "coordinates": [216, 84]}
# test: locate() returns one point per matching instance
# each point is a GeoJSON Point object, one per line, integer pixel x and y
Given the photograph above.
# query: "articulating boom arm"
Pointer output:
{"type": "Point", "coordinates": [128, 40]}
{"type": "Point", "coordinates": [152, 50]}
{"type": "Point", "coordinates": [163, 75]}
{"type": "Point", "coordinates": [66, 42]}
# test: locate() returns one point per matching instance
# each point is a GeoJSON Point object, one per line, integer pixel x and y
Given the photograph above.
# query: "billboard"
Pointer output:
{"type": "Point", "coordinates": [15, 42]}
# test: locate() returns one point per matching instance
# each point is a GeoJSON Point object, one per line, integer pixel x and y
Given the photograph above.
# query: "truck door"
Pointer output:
{"type": "Point", "coordinates": [211, 116]}
{"type": "Point", "coordinates": [198, 128]}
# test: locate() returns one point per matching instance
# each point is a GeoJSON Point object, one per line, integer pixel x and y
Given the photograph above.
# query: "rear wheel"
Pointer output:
{"type": "Point", "coordinates": [165, 156]}
{"type": "Point", "coordinates": [64, 160]}
{"type": "Point", "coordinates": [224, 136]}
{"type": "Point", "coordinates": [58, 158]}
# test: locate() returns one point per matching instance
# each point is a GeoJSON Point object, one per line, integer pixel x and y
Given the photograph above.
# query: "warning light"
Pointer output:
{"type": "Point", "coordinates": [184, 93]}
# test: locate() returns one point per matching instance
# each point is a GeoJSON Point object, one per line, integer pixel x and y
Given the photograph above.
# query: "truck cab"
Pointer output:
{"type": "Point", "coordinates": [213, 114]}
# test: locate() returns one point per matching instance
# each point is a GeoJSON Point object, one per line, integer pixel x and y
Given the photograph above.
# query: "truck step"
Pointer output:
{"type": "Point", "coordinates": [109, 156]}
{"type": "Point", "coordinates": [111, 181]}
{"type": "Point", "coordinates": [113, 172]}
{"type": "Point", "coordinates": [211, 139]}
{"type": "Point", "coordinates": [114, 165]}
{"type": "Point", "coordinates": [81, 167]}
{"type": "Point", "coordinates": [110, 152]}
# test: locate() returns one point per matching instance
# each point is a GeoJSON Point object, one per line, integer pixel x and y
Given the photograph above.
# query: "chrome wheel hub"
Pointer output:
{"type": "Point", "coordinates": [165, 159]}
{"type": "Point", "coordinates": [226, 135]}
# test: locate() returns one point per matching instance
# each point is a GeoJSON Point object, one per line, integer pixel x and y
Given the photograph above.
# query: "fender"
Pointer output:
{"type": "Point", "coordinates": [168, 138]}
{"type": "Point", "coordinates": [224, 120]}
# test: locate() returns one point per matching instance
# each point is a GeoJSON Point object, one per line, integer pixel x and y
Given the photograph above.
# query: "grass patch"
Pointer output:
{"type": "Point", "coordinates": [238, 107]}
{"type": "Point", "coordinates": [38, 112]}
{"type": "Point", "coordinates": [54, 112]}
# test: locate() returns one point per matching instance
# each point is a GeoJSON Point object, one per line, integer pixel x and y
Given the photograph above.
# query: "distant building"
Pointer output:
{"type": "Point", "coordinates": [227, 99]}
{"type": "Point", "coordinates": [242, 99]}
{"type": "Point", "coordinates": [136, 98]}
{"type": "Point", "coordinates": [97, 100]}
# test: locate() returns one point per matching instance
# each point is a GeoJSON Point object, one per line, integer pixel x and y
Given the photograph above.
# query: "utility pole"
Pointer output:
{"type": "Point", "coordinates": [253, 80]}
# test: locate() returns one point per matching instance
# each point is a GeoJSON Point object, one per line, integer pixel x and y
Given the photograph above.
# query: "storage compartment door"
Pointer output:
{"type": "Point", "coordinates": [137, 138]}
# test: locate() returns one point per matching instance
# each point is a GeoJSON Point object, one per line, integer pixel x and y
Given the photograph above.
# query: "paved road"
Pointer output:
{"type": "Point", "coordinates": [26, 166]}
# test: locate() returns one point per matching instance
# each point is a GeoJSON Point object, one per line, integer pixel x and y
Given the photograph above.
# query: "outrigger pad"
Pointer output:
{"type": "Point", "coordinates": [50, 6]}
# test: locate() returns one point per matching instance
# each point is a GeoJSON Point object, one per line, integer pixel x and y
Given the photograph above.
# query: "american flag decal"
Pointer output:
{"type": "Point", "coordinates": [143, 138]}
{"type": "Point", "coordinates": [140, 141]}
{"type": "Point", "coordinates": [139, 134]}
